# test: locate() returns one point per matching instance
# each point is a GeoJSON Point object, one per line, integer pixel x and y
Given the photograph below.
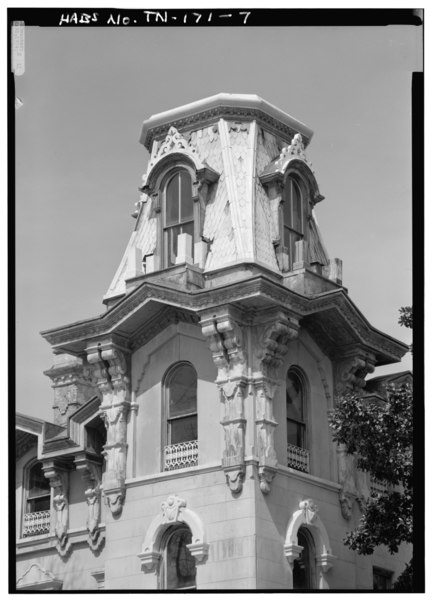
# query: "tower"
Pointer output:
{"type": "Point", "coordinates": [190, 446]}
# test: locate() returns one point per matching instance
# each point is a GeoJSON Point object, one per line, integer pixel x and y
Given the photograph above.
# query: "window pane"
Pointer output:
{"type": "Point", "coordinates": [39, 504]}
{"type": "Point", "coordinates": [171, 236]}
{"type": "Point", "coordinates": [186, 203]}
{"type": "Point", "coordinates": [38, 483]}
{"type": "Point", "coordinates": [287, 205]}
{"type": "Point", "coordinates": [188, 228]}
{"type": "Point", "coordinates": [297, 206]}
{"type": "Point", "coordinates": [295, 433]}
{"type": "Point", "coordinates": [182, 391]}
{"type": "Point", "coordinates": [294, 397]}
{"type": "Point", "coordinates": [180, 564]}
{"type": "Point", "coordinates": [172, 201]}
{"type": "Point", "coordinates": [184, 429]}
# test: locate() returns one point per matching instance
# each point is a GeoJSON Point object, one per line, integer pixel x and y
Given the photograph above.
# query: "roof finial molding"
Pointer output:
{"type": "Point", "coordinates": [174, 145]}
{"type": "Point", "coordinates": [295, 150]}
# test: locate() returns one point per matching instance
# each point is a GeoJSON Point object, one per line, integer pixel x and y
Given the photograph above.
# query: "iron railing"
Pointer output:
{"type": "Point", "coordinates": [36, 523]}
{"type": "Point", "coordinates": [180, 456]}
{"type": "Point", "coordinates": [298, 458]}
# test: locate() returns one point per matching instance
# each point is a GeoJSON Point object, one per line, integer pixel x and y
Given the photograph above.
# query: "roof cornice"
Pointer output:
{"type": "Point", "coordinates": [196, 301]}
{"type": "Point", "coordinates": [208, 110]}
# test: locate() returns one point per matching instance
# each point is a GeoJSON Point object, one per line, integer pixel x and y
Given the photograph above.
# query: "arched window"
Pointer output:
{"type": "Point", "coordinates": [181, 449]}
{"type": "Point", "coordinates": [293, 216]}
{"type": "Point", "coordinates": [36, 520]}
{"type": "Point", "coordinates": [298, 456]}
{"type": "Point", "coordinates": [178, 568]}
{"type": "Point", "coordinates": [178, 214]}
{"type": "Point", "coordinates": [304, 575]}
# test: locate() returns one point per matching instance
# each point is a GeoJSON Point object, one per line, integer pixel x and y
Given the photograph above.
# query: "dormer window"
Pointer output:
{"type": "Point", "coordinates": [178, 217]}
{"type": "Point", "coordinates": [293, 217]}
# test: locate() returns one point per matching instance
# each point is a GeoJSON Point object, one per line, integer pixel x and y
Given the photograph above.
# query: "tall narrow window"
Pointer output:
{"type": "Point", "coordinates": [298, 456]}
{"type": "Point", "coordinates": [178, 214]}
{"type": "Point", "coordinates": [182, 422]}
{"type": "Point", "coordinates": [304, 577]}
{"type": "Point", "coordinates": [292, 216]}
{"type": "Point", "coordinates": [36, 518]}
{"type": "Point", "coordinates": [178, 569]}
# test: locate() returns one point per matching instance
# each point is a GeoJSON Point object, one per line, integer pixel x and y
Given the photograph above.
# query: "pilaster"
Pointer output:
{"type": "Point", "coordinates": [270, 346]}
{"type": "Point", "coordinates": [227, 344]}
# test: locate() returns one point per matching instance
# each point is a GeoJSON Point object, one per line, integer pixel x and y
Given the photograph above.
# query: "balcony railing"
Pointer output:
{"type": "Point", "coordinates": [36, 523]}
{"type": "Point", "coordinates": [378, 486]}
{"type": "Point", "coordinates": [180, 456]}
{"type": "Point", "coordinates": [298, 458]}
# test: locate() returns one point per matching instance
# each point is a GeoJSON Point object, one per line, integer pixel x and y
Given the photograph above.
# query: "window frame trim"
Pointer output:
{"type": "Point", "coordinates": [25, 497]}
{"type": "Point", "coordinates": [306, 410]}
{"type": "Point", "coordinates": [165, 408]}
{"type": "Point", "coordinates": [162, 574]}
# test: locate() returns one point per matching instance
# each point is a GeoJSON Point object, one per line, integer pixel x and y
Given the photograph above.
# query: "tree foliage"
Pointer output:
{"type": "Point", "coordinates": [380, 434]}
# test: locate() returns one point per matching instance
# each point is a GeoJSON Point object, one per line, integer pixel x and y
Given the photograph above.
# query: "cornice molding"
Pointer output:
{"type": "Point", "coordinates": [197, 300]}
{"type": "Point", "coordinates": [206, 111]}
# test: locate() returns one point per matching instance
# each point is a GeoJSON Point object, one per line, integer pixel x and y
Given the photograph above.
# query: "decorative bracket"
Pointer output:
{"type": "Point", "coordinates": [111, 372]}
{"type": "Point", "coordinates": [352, 369]}
{"type": "Point", "coordinates": [58, 475]}
{"type": "Point", "coordinates": [272, 339]}
{"type": "Point", "coordinates": [91, 473]}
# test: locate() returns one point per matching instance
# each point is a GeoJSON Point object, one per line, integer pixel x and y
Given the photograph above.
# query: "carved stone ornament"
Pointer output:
{"type": "Point", "coordinates": [310, 511]}
{"type": "Point", "coordinates": [58, 476]}
{"type": "Point", "coordinates": [112, 377]}
{"type": "Point", "coordinates": [91, 473]}
{"type": "Point", "coordinates": [171, 508]}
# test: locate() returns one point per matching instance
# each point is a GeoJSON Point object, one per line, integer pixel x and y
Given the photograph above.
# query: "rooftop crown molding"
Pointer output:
{"type": "Point", "coordinates": [249, 106]}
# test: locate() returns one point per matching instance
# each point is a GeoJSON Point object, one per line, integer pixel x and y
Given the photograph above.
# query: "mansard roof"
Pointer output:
{"type": "Point", "coordinates": [223, 105]}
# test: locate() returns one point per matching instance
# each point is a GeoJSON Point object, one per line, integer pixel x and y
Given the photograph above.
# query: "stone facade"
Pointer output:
{"type": "Point", "coordinates": [243, 296]}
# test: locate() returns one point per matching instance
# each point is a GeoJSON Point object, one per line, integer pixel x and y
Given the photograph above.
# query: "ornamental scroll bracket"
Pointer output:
{"type": "Point", "coordinates": [226, 339]}
{"type": "Point", "coordinates": [58, 475]}
{"type": "Point", "coordinates": [271, 347]}
{"type": "Point", "coordinates": [91, 473]}
{"type": "Point", "coordinates": [111, 372]}
{"type": "Point", "coordinates": [352, 369]}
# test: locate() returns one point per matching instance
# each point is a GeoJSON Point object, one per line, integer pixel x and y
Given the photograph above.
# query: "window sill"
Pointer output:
{"type": "Point", "coordinates": [175, 474]}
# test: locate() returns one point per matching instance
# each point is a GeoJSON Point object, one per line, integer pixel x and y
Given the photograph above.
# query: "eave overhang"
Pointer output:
{"type": "Point", "coordinates": [145, 310]}
{"type": "Point", "coordinates": [230, 106]}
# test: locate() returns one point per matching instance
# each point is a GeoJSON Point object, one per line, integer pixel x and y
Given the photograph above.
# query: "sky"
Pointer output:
{"type": "Point", "coordinates": [85, 93]}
